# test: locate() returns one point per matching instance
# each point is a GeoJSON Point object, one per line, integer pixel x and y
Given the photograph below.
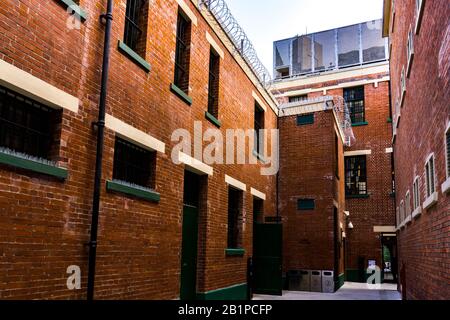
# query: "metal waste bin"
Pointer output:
{"type": "Point", "coordinates": [316, 280]}
{"type": "Point", "coordinates": [305, 280]}
{"type": "Point", "coordinates": [293, 280]}
{"type": "Point", "coordinates": [328, 281]}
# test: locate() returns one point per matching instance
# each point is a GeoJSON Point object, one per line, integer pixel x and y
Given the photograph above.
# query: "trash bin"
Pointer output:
{"type": "Point", "coordinates": [293, 280]}
{"type": "Point", "coordinates": [316, 281]}
{"type": "Point", "coordinates": [328, 281]}
{"type": "Point", "coordinates": [305, 280]}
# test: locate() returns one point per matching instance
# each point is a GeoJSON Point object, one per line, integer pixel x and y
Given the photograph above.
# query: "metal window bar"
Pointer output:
{"type": "Point", "coordinates": [131, 163]}
{"type": "Point", "coordinates": [259, 125]}
{"type": "Point", "coordinates": [133, 30]}
{"type": "Point", "coordinates": [356, 178]}
{"type": "Point", "coordinates": [354, 97]}
{"type": "Point", "coordinates": [233, 219]}
{"type": "Point", "coordinates": [181, 53]}
{"type": "Point", "coordinates": [213, 83]}
{"type": "Point", "coordinates": [448, 151]}
{"type": "Point", "coordinates": [25, 125]}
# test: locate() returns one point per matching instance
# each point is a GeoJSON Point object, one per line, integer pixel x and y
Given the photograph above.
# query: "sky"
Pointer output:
{"type": "Point", "coordinates": [266, 21]}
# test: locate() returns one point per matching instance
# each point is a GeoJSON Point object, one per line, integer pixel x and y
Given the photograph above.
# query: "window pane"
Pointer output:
{"type": "Point", "coordinates": [301, 55]}
{"type": "Point", "coordinates": [325, 50]}
{"type": "Point", "coordinates": [282, 53]}
{"type": "Point", "coordinates": [348, 46]}
{"type": "Point", "coordinates": [373, 43]}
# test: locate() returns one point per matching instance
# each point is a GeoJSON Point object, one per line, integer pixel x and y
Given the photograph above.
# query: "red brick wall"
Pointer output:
{"type": "Point", "coordinates": [423, 243]}
{"type": "Point", "coordinates": [45, 224]}
{"type": "Point", "coordinates": [307, 171]}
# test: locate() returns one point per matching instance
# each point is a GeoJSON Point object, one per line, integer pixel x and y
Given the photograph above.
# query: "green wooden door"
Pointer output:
{"type": "Point", "coordinates": [189, 253]}
{"type": "Point", "coordinates": [267, 259]}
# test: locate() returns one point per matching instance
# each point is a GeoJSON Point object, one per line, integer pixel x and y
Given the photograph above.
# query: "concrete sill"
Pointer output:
{"type": "Point", "coordinates": [446, 186]}
{"type": "Point", "coordinates": [430, 201]}
{"type": "Point", "coordinates": [407, 220]}
{"type": "Point", "coordinates": [212, 119]}
{"type": "Point", "coordinates": [359, 124]}
{"type": "Point", "coordinates": [148, 195]}
{"type": "Point", "coordinates": [417, 212]}
{"type": "Point", "coordinates": [357, 196]}
{"type": "Point", "coordinates": [234, 252]}
{"type": "Point", "coordinates": [32, 165]}
{"type": "Point", "coordinates": [77, 11]}
{"type": "Point", "coordinates": [181, 94]}
{"type": "Point", "coordinates": [134, 56]}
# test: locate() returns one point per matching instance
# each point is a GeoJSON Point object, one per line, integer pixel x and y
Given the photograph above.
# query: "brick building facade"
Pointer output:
{"type": "Point", "coordinates": [371, 208]}
{"type": "Point", "coordinates": [419, 34]}
{"type": "Point", "coordinates": [45, 207]}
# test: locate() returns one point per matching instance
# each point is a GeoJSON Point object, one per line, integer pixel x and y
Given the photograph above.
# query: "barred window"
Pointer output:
{"type": "Point", "coordinates": [355, 175]}
{"type": "Point", "coordinates": [430, 176]}
{"type": "Point", "coordinates": [447, 140]}
{"type": "Point", "coordinates": [182, 53]}
{"type": "Point", "coordinates": [133, 164]}
{"type": "Point", "coordinates": [259, 125]}
{"type": "Point", "coordinates": [303, 97]}
{"type": "Point", "coordinates": [235, 202]}
{"type": "Point", "coordinates": [354, 97]}
{"type": "Point", "coordinates": [416, 194]}
{"type": "Point", "coordinates": [26, 126]}
{"type": "Point", "coordinates": [213, 84]}
{"type": "Point", "coordinates": [136, 16]}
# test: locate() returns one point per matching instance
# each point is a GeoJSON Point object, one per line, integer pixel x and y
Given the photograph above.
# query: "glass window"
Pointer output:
{"type": "Point", "coordinates": [259, 125]}
{"type": "Point", "coordinates": [302, 55]}
{"type": "Point", "coordinates": [430, 175]}
{"type": "Point", "coordinates": [447, 140]}
{"type": "Point", "coordinates": [303, 97]}
{"type": "Point", "coordinates": [235, 200]}
{"type": "Point", "coordinates": [213, 84]}
{"type": "Point", "coordinates": [355, 175]}
{"type": "Point", "coordinates": [182, 53]}
{"type": "Point", "coordinates": [282, 53]}
{"type": "Point", "coordinates": [373, 43]}
{"type": "Point", "coordinates": [325, 50]}
{"type": "Point", "coordinates": [135, 25]}
{"type": "Point", "coordinates": [348, 46]}
{"type": "Point", "coordinates": [354, 98]}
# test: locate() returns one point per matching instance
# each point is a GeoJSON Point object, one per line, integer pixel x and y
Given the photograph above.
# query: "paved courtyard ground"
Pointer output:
{"type": "Point", "coordinates": [349, 291]}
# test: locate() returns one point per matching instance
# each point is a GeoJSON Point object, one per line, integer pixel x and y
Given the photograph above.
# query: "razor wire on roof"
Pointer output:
{"type": "Point", "coordinates": [243, 45]}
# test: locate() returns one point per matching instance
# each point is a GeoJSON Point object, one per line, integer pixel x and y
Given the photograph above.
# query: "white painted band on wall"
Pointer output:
{"type": "Point", "coordinates": [260, 102]}
{"type": "Point", "coordinates": [195, 165]}
{"type": "Point", "coordinates": [215, 46]}
{"type": "Point", "coordinates": [235, 183]}
{"type": "Point", "coordinates": [258, 194]}
{"type": "Point", "coordinates": [382, 229]}
{"type": "Point", "coordinates": [187, 11]}
{"type": "Point", "coordinates": [32, 87]}
{"type": "Point", "coordinates": [389, 150]}
{"type": "Point", "coordinates": [357, 153]}
{"type": "Point", "coordinates": [134, 135]}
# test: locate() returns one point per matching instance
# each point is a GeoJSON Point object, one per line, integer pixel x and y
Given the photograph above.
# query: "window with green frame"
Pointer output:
{"type": "Point", "coordinates": [355, 175]}
{"type": "Point", "coordinates": [354, 98]}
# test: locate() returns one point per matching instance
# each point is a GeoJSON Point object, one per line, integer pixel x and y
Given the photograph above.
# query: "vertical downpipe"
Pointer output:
{"type": "Point", "coordinates": [99, 157]}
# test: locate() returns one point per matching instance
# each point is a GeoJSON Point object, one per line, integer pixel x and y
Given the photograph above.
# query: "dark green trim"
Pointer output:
{"type": "Point", "coordinates": [134, 56]}
{"type": "Point", "coordinates": [389, 120]}
{"type": "Point", "coordinates": [305, 119]}
{"type": "Point", "coordinates": [27, 164]}
{"type": "Point", "coordinates": [181, 94]}
{"type": "Point", "coordinates": [236, 292]}
{"type": "Point", "coordinates": [212, 119]}
{"type": "Point", "coordinates": [340, 282]}
{"type": "Point", "coordinates": [392, 194]}
{"type": "Point", "coordinates": [76, 8]}
{"type": "Point", "coordinates": [359, 124]}
{"type": "Point", "coordinates": [139, 193]}
{"type": "Point", "coordinates": [354, 275]}
{"type": "Point", "coordinates": [306, 204]}
{"type": "Point", "coordinates": [357, 196]}
{"type": "Point", "coordinates": [234, 252]}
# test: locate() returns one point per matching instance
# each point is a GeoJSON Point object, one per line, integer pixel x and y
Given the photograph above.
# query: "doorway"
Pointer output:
{"type": "Point", "coordinates": [189, 245]}
{"type": "Point", "coordinates": [389, 258]}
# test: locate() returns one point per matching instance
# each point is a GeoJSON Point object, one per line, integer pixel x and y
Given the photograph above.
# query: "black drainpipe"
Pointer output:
{"type": "Point", "coordinates": [99, 158]}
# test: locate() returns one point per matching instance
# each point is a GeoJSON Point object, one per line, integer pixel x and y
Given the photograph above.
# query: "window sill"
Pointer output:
{"type": "Point", "coordinates": [234, 252]}
{"type": "Point", "coordinates": [181, 94]}
{"type": "Point", "coordinates": [135, 192]}
{"type": "Point", "coordinates": [212, 119]}
{"type": "Point", "coordinates": [446, 186]}
{"type": "Point", "coordinates": [357, 196]}
{"type": "Point", "coordinates": [31, 165]}
{"type": "Point", "coordinates": [359, 124]}
{"type": "Point", "coordinates": [134, 56]}
{"type": "Point", "coordinates": [407, 220]}
{"type": "Point", "coordinates": [417, 212]}
{"type": "Point", "coordinates": [430, 201]}
{"type": "Point", "coordinates": [75, 8]}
